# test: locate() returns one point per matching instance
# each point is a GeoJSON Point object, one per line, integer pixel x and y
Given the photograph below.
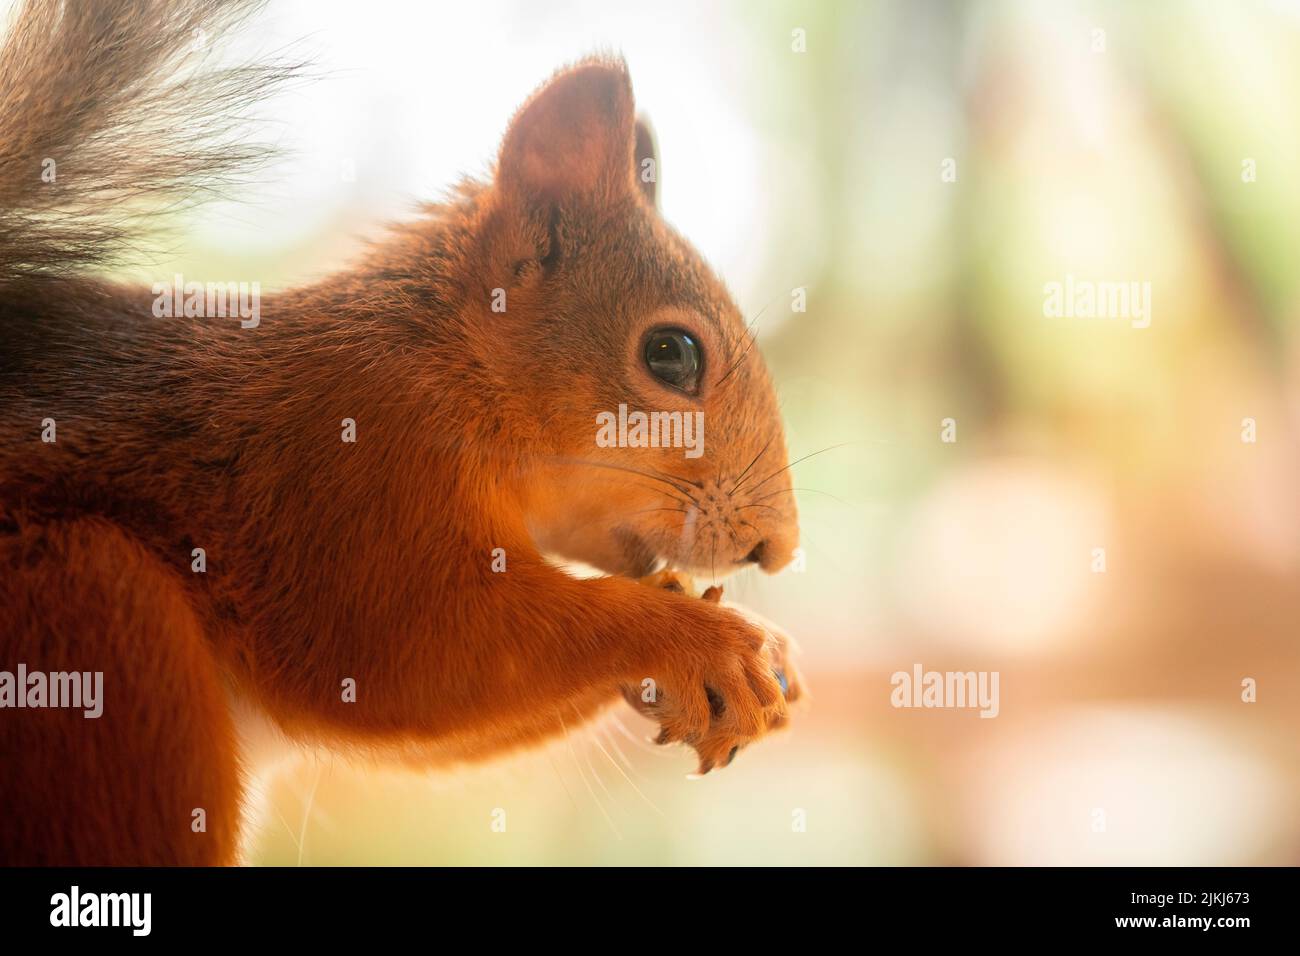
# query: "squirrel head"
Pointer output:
{"type": "Point", "coordinates": [656, 436]}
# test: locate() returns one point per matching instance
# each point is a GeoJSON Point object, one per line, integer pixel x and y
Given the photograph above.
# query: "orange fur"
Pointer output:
{"type": "Point", "coordinates": [373, 561]}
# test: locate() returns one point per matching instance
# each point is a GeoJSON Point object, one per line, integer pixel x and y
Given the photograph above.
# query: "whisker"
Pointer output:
{"type": "Point", "coordinates": [682, 485]}
{"type": "Point", "coordinates": [306, 812]}
{"type": "Point", "coordinates": [609, 739]}
{"type": "Point", "coordinates": [752, 338]}
{"type": "Point", "coordinates": [595, 799]}
{"type": "Point", "coordinates": [292, 834]}
{"type": "Point", "coordinates": [662, 476]}
{"type": "Point", "coordinates": [741, 476]}
{"type": "Point", "coordinates": [629, 780]}
{"type": "Point", "coordinates": [713, 553]}
{"type": "Point", "coordinates": [805, 536]}
{"type": "Point", "coordinates": [587, 759]}
{"type": "Point", "coordinates": [559, 776]}
{"type": "Point", "coordinates": [815, 491]}
{"type": "Point", "coordinates": [795, 462]}
{"type": "Point", "coordinates": [671, 496]}
{"type": "Point", "coordinates": [688, 511]}
{"type": "Point", "coordinates": [639, 744]}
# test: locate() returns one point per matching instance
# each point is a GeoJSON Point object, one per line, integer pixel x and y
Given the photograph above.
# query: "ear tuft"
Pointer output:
{"type": "Point", "coordinates": [574, 136]}
{"type": "Point", "coordinates": [646, 165]}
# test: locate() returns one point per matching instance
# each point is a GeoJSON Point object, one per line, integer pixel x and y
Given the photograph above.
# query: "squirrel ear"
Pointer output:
{"type": "Point", "coordinates": [646, 166]}
{"type": "Point", "coordinates": [574, 136]}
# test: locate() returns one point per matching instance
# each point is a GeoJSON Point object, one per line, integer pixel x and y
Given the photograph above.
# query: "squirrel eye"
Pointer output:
{"type": "Point", "coordinates": [673, 357]}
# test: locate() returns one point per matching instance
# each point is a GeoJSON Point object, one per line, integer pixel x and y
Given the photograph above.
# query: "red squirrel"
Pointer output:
{"type": "Point", "coordinates": [343, 513]}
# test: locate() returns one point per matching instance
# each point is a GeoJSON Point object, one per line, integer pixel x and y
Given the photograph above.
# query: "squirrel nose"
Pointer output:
{"type": "Point", "coordinates": [775, 551]}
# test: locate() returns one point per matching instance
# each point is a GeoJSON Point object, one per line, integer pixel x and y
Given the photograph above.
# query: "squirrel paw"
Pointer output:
{"type": "Point", "coordinates": [720, 746]}
{"type": "Point", "coordinates": [722, 692]}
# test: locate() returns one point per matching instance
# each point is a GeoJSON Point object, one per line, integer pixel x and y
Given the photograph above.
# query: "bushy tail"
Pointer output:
{"type": "Point", "coordinates": [110, 110]}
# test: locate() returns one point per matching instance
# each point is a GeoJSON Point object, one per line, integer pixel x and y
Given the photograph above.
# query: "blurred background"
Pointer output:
{"type": "Point", "coordinates": [923, 170]}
